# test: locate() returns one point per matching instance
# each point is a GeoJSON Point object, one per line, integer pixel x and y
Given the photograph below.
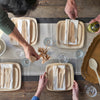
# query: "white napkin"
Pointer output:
{"type": "Point", "coordinates": [55, 77]}
{"type": "Point", "coordinates": [28, 31]}
{"type": "Point", "coordinates": [3, 66]}
{"type": "Point", "coordinates": [76, 31]}
{"type": "Point", "coordinates": [67, 23]}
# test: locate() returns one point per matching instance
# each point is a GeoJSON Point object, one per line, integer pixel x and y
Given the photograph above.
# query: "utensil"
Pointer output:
{"type": "Point", "coordinates": [93, 65]}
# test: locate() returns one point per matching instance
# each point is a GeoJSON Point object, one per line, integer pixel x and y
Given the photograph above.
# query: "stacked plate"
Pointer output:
{"type": "Point", "coordinates": [60, 76]}
{"type": "Point", "coordinates": [70, 34]}
{"type": "Point", "coordinates": [28, 29]}
{"type": "Point", "coordinates": [10, 76]}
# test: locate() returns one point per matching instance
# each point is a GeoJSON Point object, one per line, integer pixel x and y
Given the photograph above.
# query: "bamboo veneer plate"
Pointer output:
{"type": "Point", "coordinates": [28, 28]}
{"type": "Point", "coordinates": [16, 77]}
{"type": "Point", "coordinates": [61, 34]}
{"type": "Point", "coordinates": [69, 76]}
{"type": "Point", "coordinates": [93, 52]}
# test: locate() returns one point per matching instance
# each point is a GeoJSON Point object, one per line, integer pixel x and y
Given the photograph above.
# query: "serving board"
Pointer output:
{"type": "Point", "coordinates": [93, 52]}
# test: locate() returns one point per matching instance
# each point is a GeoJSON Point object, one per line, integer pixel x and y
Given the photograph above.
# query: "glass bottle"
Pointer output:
{"type": "Point", "coordinates": [94, 27]}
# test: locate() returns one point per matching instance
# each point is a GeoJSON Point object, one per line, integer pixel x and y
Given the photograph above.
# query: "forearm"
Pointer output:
{"type": "Point", "coordinates": [38, 93]}
{"type": "Point", "coordinates": [15, 35]}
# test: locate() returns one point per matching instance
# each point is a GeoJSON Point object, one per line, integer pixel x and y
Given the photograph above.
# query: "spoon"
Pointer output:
{"type": "Point", "coordinates": [93, 65]}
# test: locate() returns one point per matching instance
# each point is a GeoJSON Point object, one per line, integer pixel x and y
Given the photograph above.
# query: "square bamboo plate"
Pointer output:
{"type": "Point", "coordinates": [93, 52]}
{"type": "Point", "coordinates": [28, 29]}
{"type": "Point", "coordinates": [69, 76]}
{"type": "Point", "coordinates": [16, 77]}
{"type": "Point", "coordinates": [61, 32]}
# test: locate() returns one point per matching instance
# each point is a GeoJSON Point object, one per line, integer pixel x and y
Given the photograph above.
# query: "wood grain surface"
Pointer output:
{"type": "Point", "coordinates": [29, 88]}
{"type": "Point", "coordinates": [55, 9]}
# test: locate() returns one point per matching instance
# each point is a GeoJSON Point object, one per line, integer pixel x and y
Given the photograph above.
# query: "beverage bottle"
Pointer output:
{"type": "Point", "coordinates": [93, 27]}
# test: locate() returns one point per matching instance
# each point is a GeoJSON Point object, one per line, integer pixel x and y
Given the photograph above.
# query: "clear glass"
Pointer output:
{"type": "Point", "coordinates": [91, 91]}
{"type": "Point", "coordinates": [19, 53]}
{"type": "Point", "coordinates": [62, 58]}
{"type": "Point", "coordinates": [79, 54]}
{"type": "Point", "coordinates": [25, 62]}
{"type": "Point", "coordinates": [48, 41]}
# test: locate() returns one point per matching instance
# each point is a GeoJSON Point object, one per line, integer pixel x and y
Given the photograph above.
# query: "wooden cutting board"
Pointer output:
{"type": "Point", "coordinates": [93, 52]}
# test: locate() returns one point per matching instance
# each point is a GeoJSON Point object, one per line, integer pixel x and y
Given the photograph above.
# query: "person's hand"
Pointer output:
{"type": "Point", "coordinates": [41, 85]}
{"type": "Point", "coordinates": [71, 9]}
{"type": "Point", "coordinates": [94, 20]}
{"type": "Point", "coordinates": [75, 91]}
{"type": "Point", "coordinates": [42, 82]}
{"type": "Point", "coordinates": [29, 52]}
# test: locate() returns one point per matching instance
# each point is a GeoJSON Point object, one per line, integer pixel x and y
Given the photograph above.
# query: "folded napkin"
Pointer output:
{"type": "Point", "coordinates": [71, 31]}
{"type": "Point", "coordinates": [59, 77]}
{"type": "Point", "coordinates": [7, 76]}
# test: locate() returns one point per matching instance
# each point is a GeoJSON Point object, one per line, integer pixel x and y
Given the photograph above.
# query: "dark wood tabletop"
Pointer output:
{"type": "Point", "coordinates": [87, 9]}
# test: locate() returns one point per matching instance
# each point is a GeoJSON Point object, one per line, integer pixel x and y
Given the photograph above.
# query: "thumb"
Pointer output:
{"type": "Point", "coordinates": [92, 21]}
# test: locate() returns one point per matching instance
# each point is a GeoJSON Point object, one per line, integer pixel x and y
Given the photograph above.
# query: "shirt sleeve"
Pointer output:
{"type": "Point", "coordinates": [35, 98]}
{"type": "Point", "coordinates": [6, 25]}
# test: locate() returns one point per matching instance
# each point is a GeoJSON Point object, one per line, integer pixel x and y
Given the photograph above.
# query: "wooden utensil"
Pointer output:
{"type": "Point", "coordinates": [93, 65]}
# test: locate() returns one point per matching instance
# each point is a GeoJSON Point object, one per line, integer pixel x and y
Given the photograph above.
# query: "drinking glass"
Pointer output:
{"type": "Point", "coordinates": [48, 41]}
{"type": "Point", "coordinates": [91, 91]}
{"type": "Point", "coordinates": [62, 58]}
{"type": "Point", "coordinates": [79, 54]}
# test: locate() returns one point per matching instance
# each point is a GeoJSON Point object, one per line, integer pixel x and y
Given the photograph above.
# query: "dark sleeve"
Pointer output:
{"type": "Point", "coordinates": [35, 98]}
{"type": "Point", "coordinates": [6, 25]}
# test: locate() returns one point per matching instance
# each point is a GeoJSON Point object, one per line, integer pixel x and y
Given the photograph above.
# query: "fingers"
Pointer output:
{"type": "Point", "coordinates": [76, 13]}
{"type": "Point", "coordinates": [43, 76]}
{"type": "Point", "coordinates": [92, 21]}
{"type": "Point", "coordinates": [98, 31]}
{"type": "Point", "coordinates": [75, 85]}
{"type": "Point", "coordinates": [36, 55]}
{"type": "Point", "coordinates": [46, 81]}
{"type": "Point", "coordinates": [71, 15]}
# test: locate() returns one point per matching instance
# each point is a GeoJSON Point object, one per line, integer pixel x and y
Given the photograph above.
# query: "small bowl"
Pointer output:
{"type": "Point", "coordinates": [2, 47]}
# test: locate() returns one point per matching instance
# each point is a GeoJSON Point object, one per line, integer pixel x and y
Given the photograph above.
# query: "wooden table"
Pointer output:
{"type": "Point", "coordinates": [87, 9]}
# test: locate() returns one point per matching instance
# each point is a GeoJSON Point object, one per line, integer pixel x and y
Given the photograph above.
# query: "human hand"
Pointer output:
{"type": "Point", "coordinates": [41, 85]}
{"type": "Point", "coordinates": [96, 19]}
{"type": "Point", "coordinates": [75, 91]}
{"type": "Point", "coordinates": [30, 52]}
{"type": "Point", "coordinates": [71, 9]}
{"type": "Point", "coordinates": [42, 82]}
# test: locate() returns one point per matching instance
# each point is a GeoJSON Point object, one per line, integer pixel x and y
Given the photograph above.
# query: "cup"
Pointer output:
{"type": "Point", "coordinates": [79, 54]}
{"type": "Point", "coordinates": [62, 58]}
{"type": "Point", "coordinates": [48, 41]}
{"type": "Point", "coordinates": [91, 91]}
{"type": "Point", "coordinates": [25, 62]}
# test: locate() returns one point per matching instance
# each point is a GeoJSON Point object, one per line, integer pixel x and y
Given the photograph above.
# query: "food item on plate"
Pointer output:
{"type": "Point", "coordinates": [43, 54]}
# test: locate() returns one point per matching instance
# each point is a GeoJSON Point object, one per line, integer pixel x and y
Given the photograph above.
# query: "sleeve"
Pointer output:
{"type": "Point", "coordinates": [6, 25]}
{"type": "Point", "coordinates": [35, 98]}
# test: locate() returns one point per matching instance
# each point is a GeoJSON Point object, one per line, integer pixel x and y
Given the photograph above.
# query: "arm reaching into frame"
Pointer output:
{"type": "Point", "coordinates": [71, 9]}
